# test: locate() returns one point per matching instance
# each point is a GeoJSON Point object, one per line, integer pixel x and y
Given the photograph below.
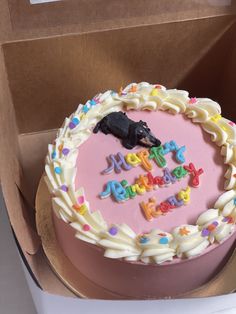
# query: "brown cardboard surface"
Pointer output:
{"type": "Point", "coordinates": [43, 80]}
{"type": "Point", "coordinates": [71, 69]}
{"type": "Point", "coordinates": [20, 20]}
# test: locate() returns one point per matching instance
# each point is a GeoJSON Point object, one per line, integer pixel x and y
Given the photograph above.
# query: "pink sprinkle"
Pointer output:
{"type": "Point", "coordinates": [192, 100]}
{"type": "Point", "coordinates": [86, 227]}
{"type": "Point", "coordinates": [158, 86]}
{"type": "Point", "coordinates": [231, 123]}
{"type": "Point", "coordinates": [80, 199]}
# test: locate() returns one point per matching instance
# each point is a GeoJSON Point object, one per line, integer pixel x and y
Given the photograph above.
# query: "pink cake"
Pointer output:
{"type": "Point", "coordinates": [150, 220]}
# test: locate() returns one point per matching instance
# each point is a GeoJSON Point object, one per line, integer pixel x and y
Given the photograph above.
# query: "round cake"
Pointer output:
{"type": "Point", "coordinates": [143, 185]}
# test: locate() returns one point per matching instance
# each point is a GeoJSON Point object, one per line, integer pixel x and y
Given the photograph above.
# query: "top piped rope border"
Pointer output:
{"type": "Point", "coordinates": [119, 240]}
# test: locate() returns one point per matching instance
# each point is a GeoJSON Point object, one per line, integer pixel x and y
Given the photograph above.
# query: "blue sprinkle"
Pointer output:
{"type": "Point", "coordinates": [143, 240]}
{"type": "Point", "coordinates": [93, 102]}
{"type": "Point", "coordinates": [54, 154]}
{"type": "Point", "coordinates": [75, 121]}
{"type": "Point", "coordinates": [235, 201]}
{"type": "Point", "coordinates": [85, 109]}
{"type": "Point", "coordinates": [163, 241]}
{"type": "Point", "coordinates": [58, 170]}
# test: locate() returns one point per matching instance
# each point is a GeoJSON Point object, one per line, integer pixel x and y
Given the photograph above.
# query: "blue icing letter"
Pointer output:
{"type": "Point", "coordinates": [115, 189]}
{"type": "Point", "coordinates": [179, 155]}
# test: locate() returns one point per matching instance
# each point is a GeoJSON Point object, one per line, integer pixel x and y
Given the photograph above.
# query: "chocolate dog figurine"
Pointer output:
{"type": "Point", "coordinates": [130, 132]}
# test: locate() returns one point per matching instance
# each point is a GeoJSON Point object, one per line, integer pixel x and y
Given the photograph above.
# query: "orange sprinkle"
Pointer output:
{"type": "Point", "coordinates": [211, 227]}
{"type": "Point", "coordinates": [183, 231]}
{"type": "Point", "coordinates": [76, 207]}
{"type": "Point", "coordinates": [120, 90]}
{"type": "Point", "coordinates": [60, 147]}
{"type": "Point", "coordinates": [133, 89]}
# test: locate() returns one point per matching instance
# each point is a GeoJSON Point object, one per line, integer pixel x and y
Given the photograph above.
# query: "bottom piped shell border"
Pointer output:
{"type": "Point", "coordinates": [119, 240]}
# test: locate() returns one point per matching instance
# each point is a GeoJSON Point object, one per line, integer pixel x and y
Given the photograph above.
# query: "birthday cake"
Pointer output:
{"type": "Point", "coordinates": [143, 185]}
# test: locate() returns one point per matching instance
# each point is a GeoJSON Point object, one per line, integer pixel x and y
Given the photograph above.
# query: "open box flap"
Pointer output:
{"type": "Point", "coordinates": [20, 19]}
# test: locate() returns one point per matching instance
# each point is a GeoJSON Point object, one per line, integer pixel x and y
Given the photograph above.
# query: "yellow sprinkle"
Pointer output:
{"type": "Point", "coordinates": [216, 118]}
{"type": "Point", "coordinates": [154, 92]}
{"type": "Point", "coordinates": [83, 209]}
{"type": "Point", "coordinates": [82, 116]}
{"type": "Point", "coordinates": [223, 128]}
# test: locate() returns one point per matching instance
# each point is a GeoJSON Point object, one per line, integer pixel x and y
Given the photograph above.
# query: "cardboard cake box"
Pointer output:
{"type": "Point", "coordinates": [55, 56]}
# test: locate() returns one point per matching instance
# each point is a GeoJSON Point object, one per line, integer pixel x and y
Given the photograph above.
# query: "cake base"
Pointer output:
{"type": "Point", "coordinates": [86, 265]}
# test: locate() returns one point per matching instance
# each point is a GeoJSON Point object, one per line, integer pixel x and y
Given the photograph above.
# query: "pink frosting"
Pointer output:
{"type": "Point", "coordinates": [199, 150]}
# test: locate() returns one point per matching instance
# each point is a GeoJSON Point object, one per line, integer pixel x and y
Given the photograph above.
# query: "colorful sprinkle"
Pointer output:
{"type": "Point", "coordinates": [93, 102]}
{"type": "Point", "coordinates": [205, 232]}
{"type": "Point", "coordinates": [72, 125]}
{"type": "Point", "coordinates": [83, 209]}
{"type": "Point", "coordinates": [144, 240]}
{"type": "Point", "coordinates": [235, 201]}
{"type": "Point", "coordinates": [113, 231]}
{"type": "Point", "coordinates": [60, 147]}
{"type": "Point", "coordinates": [64, 188]}
{"type": "Point", "coordinates": [54, 154]}
{"type": "Point", "coordinates": [76, 207]}
{"type": "Point", "coordinates": [65, 151]}
{"type": "Point", "coordinates": [216, 118]}
{"type": "Point", "coordinates": [164, 241]}
{"type": "Point", "coordinates": [192, 100]}
{"type": "Point", "coordinates": [85, 109]}
{"type": "Point", "coordinates": [75, 121]}
{"type": "Point", "coordinates": [231, 123]}
{"type": "Point", "coordinates": [86, 227]}
{"type": "Point", "coordinates": [58, 170]}
{"type": "Point", "coordinates": [154, 92]}
{"type": "Point", "coordinates": [133, 89]}
{"type": "Point", "coordinates": [80, 199]}
{"type": "Point", "coordinates": [183, 231]}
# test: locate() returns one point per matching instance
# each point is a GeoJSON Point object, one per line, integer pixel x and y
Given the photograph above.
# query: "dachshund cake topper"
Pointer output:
{"type": "Point", "coordinates": [130, 132]}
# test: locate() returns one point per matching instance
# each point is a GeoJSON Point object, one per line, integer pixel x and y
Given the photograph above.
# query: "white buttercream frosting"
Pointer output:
{"type": "Point", "coordinates": [119, 241]}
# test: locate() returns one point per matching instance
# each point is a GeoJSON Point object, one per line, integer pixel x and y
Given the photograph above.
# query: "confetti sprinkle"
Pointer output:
{"type": "Point", "coordinates": [113, 231]}
{"type": "Point", "coordinates": [64, 188]}
{"type": "Point", "coordinates": [231, 123]}
{"type": "Point", "coordinates": [144, 239]}
{"type": "Point", "coordinates": [65, 151]}
{"type": "Point", "coordinates": [93, 102]}
{"type": "Point", "coordinates": [60, 147]}
{"type": "Point", "coordinates": [235, 201]}
{"type": "Point", "coordinates": [183, 231]}
{"type": "Point", "coordinates": [216, 118]}
{"type": "Point", "coordinates": [80, 199]}
{"type": "Point", "coordinates": [72, 125]}
{"type": "Point", "coordinates": [192, 100]}
{"type": "Point", "coordinates": [75, 121]}
{"type": "Point", "coordinates": [83, 209]}
{"type": "Point", "coordinates": [58, 170]}
{"type": "Point", "coordinates": [205, 232]}
{"type": "Point", "coordinates": [85, 108]}
{"type": "Point", "coordinates": [86, 227]}
{"type": "Point", "coordinates": [76, 207]}
{"type": "Point", "coordinates": [133, 89]}
{"type": "Point", "coordinates": [154, 92]}
{"type": "Point", "coordinates": [54, 154]}
{"type": "Point", "coordinates": [164, 240]}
